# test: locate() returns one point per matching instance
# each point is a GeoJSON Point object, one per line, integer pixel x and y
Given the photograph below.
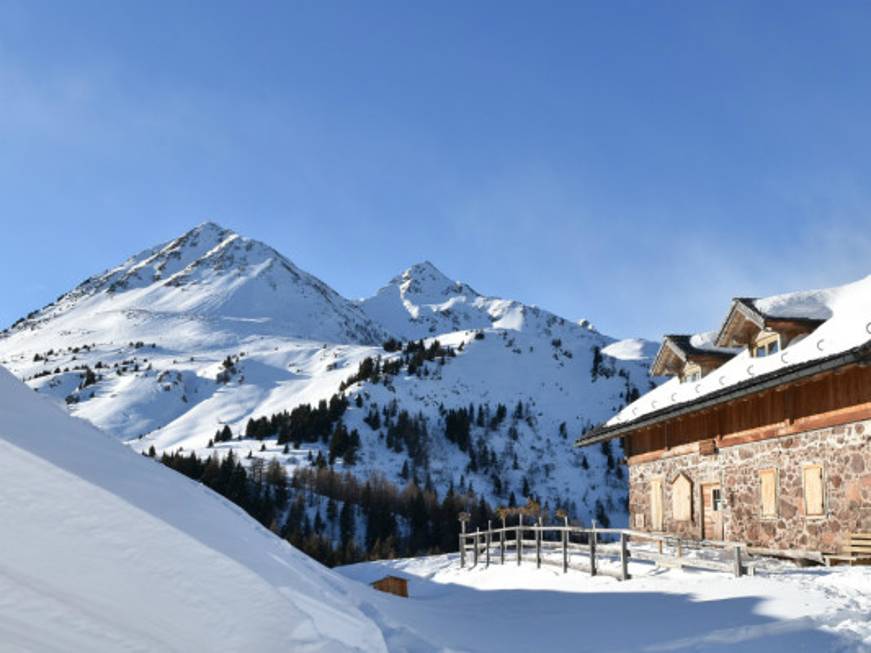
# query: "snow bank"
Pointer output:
{"type": "Point", "coordinates": [108, 551]}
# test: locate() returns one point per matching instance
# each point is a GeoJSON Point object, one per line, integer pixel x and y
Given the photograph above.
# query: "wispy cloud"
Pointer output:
{"type": "Point", "coordinates": [646, 270]}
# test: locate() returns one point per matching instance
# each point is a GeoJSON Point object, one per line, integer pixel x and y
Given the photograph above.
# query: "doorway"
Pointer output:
{"type": "Point", "coordinates": [712, 512]}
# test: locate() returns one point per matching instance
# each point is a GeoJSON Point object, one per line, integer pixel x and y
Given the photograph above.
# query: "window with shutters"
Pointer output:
{"type": "Point", "coordinates": [681, 499]}
{"type": "Point", "coordinates": [768, 492]}
{"type": "Point", "coordinates": [812, 476]}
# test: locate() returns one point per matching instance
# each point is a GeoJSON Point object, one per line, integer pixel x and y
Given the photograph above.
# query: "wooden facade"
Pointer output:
{"type": "Point", "coordinates": [826, 400]}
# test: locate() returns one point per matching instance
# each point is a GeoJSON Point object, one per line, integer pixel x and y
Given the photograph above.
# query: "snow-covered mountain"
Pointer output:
{"type": "Point", "coordinates": [214, 329]}
{"type": "Point", "coordinates": [110, 551]}
{"type": "Point", "coordinates": [209, 284]}
{"type": "Point", "coordinates": [422, 302]}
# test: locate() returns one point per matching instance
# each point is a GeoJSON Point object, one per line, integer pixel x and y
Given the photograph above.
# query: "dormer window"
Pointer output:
{"type": "Point", "coordinates": [691, 373]}
{"type": "Point", "coordinates": [767, 344]}
{"type": "Point", "coordinates": [762, 333]}
{"type": "Point", "coordinates": [689, 357]}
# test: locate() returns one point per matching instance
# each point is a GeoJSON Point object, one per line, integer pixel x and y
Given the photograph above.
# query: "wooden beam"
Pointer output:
{"type": "Point", "coordinates": [828, 419]}
{"type": "Point", "coordinates": [680, 450]}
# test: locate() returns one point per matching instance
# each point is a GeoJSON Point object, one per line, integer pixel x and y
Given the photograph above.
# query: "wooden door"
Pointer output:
{"type": "Point", "coordinates": [656, 505]}
{"type": "Point", "coordinates": [712, 513]}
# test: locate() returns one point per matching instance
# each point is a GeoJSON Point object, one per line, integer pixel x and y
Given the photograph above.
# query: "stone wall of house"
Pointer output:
{"type": "Point", "coordinates": [843, 451]}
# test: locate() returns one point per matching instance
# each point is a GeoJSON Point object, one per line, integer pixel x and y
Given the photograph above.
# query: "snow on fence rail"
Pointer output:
{"type": "Point", "coordinates": [594, 550]}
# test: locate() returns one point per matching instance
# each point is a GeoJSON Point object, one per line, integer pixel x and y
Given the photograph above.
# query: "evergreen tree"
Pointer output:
{"type": "Point", "coordinates": [347, 524]}
{"type": "Point", "coordinates": [598, 367]}
{"type": "Point", "coordinates": [602, 516]}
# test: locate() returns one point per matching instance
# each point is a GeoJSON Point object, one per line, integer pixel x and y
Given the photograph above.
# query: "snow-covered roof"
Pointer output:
{"type": "Point", "coordinates": [683, 348]}
{"type": "Point", "coordinates": [704, 342]}
{"type": "Point", "coordinates": [847, 325]}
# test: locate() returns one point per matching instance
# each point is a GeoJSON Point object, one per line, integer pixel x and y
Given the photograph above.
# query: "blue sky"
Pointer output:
{"type": "Point", "coordinates": [633, 163]}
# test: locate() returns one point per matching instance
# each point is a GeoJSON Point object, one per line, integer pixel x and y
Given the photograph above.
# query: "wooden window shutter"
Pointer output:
{"type": "Point", "coordinates": [656, 504]}
{"type": "Point", "coordinates": [681, 498]}
{"type": "Point", "coordinates": [813, 490]}
{"type": "Point", "coordinates": [768, 492]}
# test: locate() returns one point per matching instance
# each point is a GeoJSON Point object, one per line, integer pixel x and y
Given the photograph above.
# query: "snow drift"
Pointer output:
{"type": "Point", "coordinates": [105, 550]}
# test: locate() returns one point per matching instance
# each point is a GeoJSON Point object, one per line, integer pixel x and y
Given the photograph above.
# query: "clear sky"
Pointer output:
{"type": "Point", "coordinates": [636, 164]}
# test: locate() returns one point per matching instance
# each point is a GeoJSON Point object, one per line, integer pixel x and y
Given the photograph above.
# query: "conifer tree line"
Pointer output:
{"type": "Point", "coordinates": [414, 357]}
{"type": "Point", "coordinates": [339, 519]}
{"type": "Point", "coordinates": [332, 516]}
{"type": "Point", "coordinates": [401, 431]}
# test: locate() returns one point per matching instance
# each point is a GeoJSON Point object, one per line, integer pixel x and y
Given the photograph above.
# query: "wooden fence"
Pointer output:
{"type": "Point", "coordinates": [599, 551]}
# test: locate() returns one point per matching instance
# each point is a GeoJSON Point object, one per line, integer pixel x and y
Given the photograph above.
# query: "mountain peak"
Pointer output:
{"type": "Point", "coordinates": [212, 273]}
{"type": "Point", "coordinates": [424, 271]}
{"type": "Point", "coordinates": [424, 283]}
{"type": "Point", "coordinates": [208, 225]}
{"type": "Point", "coordinates": [211, 233]}
{"type": "Point", "coordinates": [425, 266]}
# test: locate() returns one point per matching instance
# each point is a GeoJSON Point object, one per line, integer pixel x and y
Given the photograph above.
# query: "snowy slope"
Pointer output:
{"type": "Point", "coordinates": [634, 349]}
{"type": "Point", "coordinates": [559, 398]}
{"type": "Point", "coordinates": [156, 330]}
{"type": "Point", "coordinates": [518, 609]}
{"type": "Point", "coordinates": [110, 551]}
{"type": "Point", "coordinates": [847, 313]}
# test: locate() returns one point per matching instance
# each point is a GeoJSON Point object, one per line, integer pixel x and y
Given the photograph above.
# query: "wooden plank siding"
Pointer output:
{"type": "Point", "coordinates": [825, 400]}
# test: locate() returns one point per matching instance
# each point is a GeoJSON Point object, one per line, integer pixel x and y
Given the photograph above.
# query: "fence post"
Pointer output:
{"type": "Point", "coordinates": [738, 568]}
{"type": "Point", "coordinates": [566, 545]}
{"type": "Point", "coordinates": [593, 549]}
{"type": "Point", "coordinates": [624, 558]}
{"type": "Point", "coordinates": [538, 544]}
{"type": "Point", "coordinates": [679, 549]}
{"type": "Point", "coordinates": [463, 517]}
{"type": "Point", "coordinates": [519, 546]}
{"type": "Point", "coordinates": [477, 544]}
{"type": "Point", "coordinates": [488, 539]}
{"type": "Point", "coordinates": [502, 543]}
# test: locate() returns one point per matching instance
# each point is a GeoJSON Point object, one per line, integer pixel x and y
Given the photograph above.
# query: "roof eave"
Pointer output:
{"type": "Point", "coordinates": [668, 345]}
{"type": "Point", "coordinates": [744, 306]}
{"type": "Point", "coordinates": [772, 379]}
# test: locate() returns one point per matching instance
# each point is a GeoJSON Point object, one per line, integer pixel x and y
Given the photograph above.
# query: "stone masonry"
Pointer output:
{"type": "Point", "coordinates": [843, 451]}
